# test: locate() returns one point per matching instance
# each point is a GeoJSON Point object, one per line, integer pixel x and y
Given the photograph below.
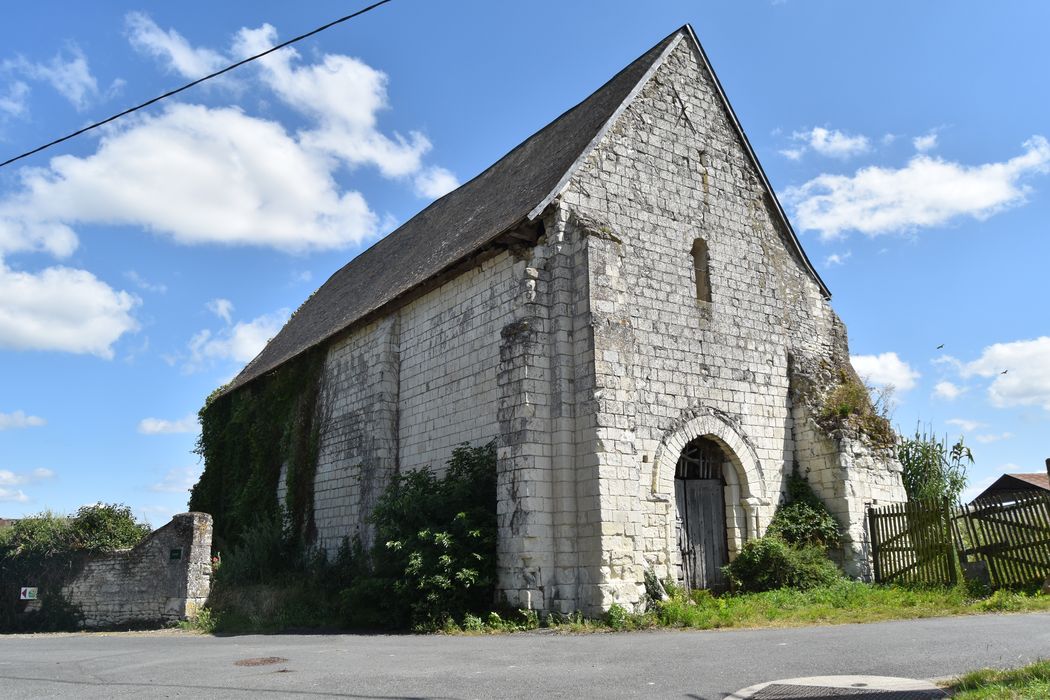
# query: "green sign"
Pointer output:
{"type": "Point", "coordinates": [176, 554]}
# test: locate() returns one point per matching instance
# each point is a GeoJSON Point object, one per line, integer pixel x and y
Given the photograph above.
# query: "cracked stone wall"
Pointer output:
{"type": "Point", "coordinates": [146, 584]}
{"type": "Point", "coordinates": [670, 171]}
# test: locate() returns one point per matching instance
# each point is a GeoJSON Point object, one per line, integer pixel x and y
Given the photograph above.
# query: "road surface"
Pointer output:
{"type": "Point", "coordinates": [669, 664]}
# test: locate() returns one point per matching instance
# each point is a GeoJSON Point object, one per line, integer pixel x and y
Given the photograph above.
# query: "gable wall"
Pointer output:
{"type": "Point", "coordinates": [670, 170]}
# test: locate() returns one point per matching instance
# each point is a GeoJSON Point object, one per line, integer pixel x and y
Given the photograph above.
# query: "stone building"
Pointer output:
{"type": "Point", "coordinates": [623, 305]}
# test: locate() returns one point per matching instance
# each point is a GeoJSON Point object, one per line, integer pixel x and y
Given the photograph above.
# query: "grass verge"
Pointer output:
{"type": "Point", "coordinates": [267, 609]}
{"type": "Point", "coordinates": [1030, 682]}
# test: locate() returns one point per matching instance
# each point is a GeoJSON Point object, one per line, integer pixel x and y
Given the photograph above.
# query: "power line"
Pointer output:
{"type": "Point", "coordinates": [198, 81]}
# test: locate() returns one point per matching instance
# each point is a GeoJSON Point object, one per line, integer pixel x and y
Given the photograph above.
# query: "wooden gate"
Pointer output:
{"type": "Point", "coordinates": [911, 543]}
{"type": "Point", "coordinates": [1010, 533]}
{"type": "Point", "coordinates": [921, 542]}
{"type": "Point", "coordinates": [699, 494]}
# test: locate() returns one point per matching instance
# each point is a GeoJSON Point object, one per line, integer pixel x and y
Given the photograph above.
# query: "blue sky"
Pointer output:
{"type": "Point", "coordinates": [142, 266]}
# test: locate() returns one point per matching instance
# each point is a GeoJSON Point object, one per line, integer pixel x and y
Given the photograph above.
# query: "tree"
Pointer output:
{"type": "Point", "coordinates": [932, 469]}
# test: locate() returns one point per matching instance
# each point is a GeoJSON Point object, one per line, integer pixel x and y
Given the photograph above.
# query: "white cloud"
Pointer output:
{"type": "Point", "coordinates": [223, 308]}
{"type": "Point", "coordinates": [71, 77]}
{"type": "Point", "coordinates": [178, 480]}
{"type": "Point", "coordinates": [240, 342]}
{"type": "Point", "coordinates": [967, 426]}
{"type": "Point", "coordinates": [13, 101]}
{"type": "Point", "coordinates": [12, 496]}
{"type": "Point", "coordinates": [886, 369]}
{"type": "Point", "coordinates": [61, 308]}
{"type": "Point", "coordinates": [793, 153]}
{"type": "Point", "coordinates": [928, 191]}
{"type": "Point", "coordinates": [837, 258]}
{"type": "Point", "coordinates": [834, 143]}
{"type": "Point", "coordinates": [18, 419]}
{"type": "Point", "coordinates": [9, 479]}
{"type": "Point", "coordinates": [202, 175]}
{"type": "Point", "coordinates": [171, 47]}
{"type": "Point", "coordinates": [435, 182]}
{"type": "Point", "coordinates": [926, 142]}
{"type": "Point", "coordinates": [1021, 371]}
{"type": "Point", "coordinates": [144, 284]}
{"type": "Point", "coordinates": [343, 95]}
{"type": "Point", "coordinates": [949, 391]}
{"type": "Point", "coordinates": [992, 437]}
{"type": "Point", "coordinates": [161, 426]}
{"type": "Point", "coordinates": [196, 174]}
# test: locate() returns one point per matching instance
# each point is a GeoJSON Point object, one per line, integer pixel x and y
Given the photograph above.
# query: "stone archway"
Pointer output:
{"type": "Point", "coordinates": [744, 480]}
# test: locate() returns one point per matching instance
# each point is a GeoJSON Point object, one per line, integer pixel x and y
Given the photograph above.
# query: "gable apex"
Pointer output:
{"type": "Point", "coordinates": [666, 48]}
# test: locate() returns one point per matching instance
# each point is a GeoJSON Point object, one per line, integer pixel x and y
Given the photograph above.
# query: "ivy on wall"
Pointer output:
{"type": "Point", "coordinates": [247, 435]}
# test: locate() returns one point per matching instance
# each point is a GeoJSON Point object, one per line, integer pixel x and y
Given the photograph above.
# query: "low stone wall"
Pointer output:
{"type": "Point", "coordinates": [165, 578]}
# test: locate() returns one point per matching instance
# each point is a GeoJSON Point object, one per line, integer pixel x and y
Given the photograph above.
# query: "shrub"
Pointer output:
{"type": "Point", "coordinates": [801, 524]}
{"type": "Point", "coordinates": [804, 519]}
{"type": "Point", "coordinates": [768, 563]}
{"type": "Point", "coordinates": [435, 552]}
{"type": "Point", "coordinates": [260, 555]}
{"type": "Point", "coordinates": [849, 403]}
{"type": "Point", "coordinates": [105, 528]}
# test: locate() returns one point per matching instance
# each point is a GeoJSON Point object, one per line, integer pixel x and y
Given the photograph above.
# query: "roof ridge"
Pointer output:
{"type": "Point", "coordinates": [454, 226]}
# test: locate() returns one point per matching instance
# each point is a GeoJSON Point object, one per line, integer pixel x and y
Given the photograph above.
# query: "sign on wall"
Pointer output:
{"type": "Point", "coordinates": [27, 593]}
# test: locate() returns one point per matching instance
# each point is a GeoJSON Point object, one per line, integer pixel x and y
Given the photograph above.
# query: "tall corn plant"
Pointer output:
{"type": "Point", "coordinates": [933, 471]}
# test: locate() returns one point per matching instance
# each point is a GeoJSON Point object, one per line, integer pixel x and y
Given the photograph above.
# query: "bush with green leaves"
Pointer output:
{"type": "Point", "coordinates": [768, 563]}
{"type": "Point", "coordinates": [804, 519]}
{"type": "Point", "coordinates": [434, 557]}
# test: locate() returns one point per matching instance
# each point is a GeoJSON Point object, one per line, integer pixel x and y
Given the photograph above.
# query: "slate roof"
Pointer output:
{"type": "Point", "coordinates": [467, 219]}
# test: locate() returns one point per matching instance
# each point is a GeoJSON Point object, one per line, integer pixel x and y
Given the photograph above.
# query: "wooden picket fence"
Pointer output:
{"type": "Point", "coordinates": [912, 543]}
{"type": "Point", "coordinates": [1010, 533]}
{"type": "Point", "coordinates": [929, 542]}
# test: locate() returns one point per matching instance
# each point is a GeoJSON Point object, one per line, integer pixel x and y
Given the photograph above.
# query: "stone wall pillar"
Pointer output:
{"type": "Point", "coordinates": [525, 498]}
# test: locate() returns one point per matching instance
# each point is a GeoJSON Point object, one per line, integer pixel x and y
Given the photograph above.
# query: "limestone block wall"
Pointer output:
{"type": "Point", "coordinates": [845, 470]}
{"type": "Point", "coordinates": [672, 170]}
{"type": "Point", "coordinates": [401, 392]}
{"type": "Point", "coordinates": [147, 583]}
{"type": "Point", "coordinates": [359, 412]}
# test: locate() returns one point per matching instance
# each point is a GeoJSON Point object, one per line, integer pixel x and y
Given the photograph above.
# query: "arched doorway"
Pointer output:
{"type": "Point", "coordinates": [700, 496]}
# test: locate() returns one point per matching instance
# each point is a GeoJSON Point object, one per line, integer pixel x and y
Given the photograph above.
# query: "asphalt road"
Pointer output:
{"type": "Point", "coordinates": [657, 664]}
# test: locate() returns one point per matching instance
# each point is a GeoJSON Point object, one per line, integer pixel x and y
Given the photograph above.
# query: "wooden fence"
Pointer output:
{"type": "Point", "coordinates": [926, 542]}
{"type": "Point", "coordinates": [1010, 533]}
{"type": "Point", "coordinates": [911, 543]}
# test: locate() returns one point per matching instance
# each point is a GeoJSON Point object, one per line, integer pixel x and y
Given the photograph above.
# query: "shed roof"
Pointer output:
{"type": "Point", "coordinates": [1009, 483]}
{"type": "Point", "coordinates": [514, 189]}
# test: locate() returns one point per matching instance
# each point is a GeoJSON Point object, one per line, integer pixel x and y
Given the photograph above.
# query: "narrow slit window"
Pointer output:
{"type": "Point", "coordinates": [702, 270]}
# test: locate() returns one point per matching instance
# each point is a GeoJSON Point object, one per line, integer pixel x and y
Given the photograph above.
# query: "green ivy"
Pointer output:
{"type": "Point", "coordinates": [246, 436]}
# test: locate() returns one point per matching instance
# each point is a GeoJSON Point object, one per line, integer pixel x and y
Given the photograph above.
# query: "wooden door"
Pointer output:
{"type": "Point", "coordinates": [702, 527]}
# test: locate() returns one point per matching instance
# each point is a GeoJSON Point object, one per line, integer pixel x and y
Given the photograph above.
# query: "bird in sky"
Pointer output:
{"type": "Point", "coordinates": [1004, 371]}
{"type": "Point", "coordinates": [940, 346]}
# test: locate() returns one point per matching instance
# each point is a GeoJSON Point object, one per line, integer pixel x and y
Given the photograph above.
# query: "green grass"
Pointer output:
{"type": "Point", "coordinates": [270, 609]}
{"type": "Point", "coordinates": [1030, 682]}
{"type": "Point", "coordinates": [840, 603]}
